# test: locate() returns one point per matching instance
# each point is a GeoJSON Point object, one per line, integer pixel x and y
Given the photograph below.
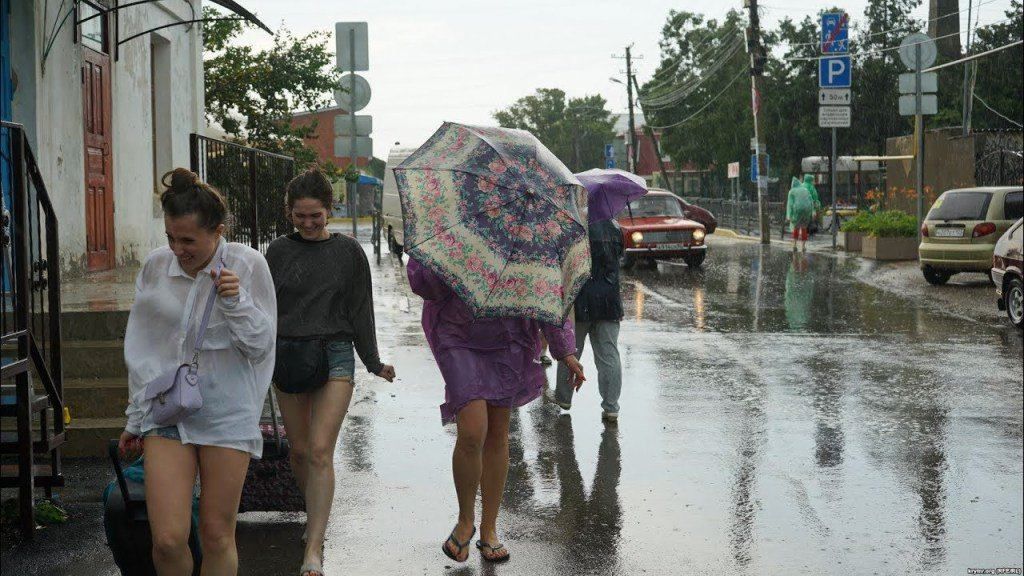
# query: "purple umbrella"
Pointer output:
{"type": "Point", "coordinates": [609, 191]}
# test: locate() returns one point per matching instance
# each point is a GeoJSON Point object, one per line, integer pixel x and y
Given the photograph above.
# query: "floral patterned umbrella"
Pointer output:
{"type": "Point", "coordinates": [497, 216]}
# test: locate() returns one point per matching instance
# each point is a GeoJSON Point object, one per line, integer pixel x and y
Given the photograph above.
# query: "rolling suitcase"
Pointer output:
{"type": "Point", "coordinates": [127, 525]}
{"type": "Point", "coordinates": [270, 485]}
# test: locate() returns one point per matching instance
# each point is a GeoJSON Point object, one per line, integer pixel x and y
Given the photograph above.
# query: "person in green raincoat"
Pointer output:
{"type": "Point", "coordinates": [799, 211]}
{"type": "Point", "coordinates": [809, 184]}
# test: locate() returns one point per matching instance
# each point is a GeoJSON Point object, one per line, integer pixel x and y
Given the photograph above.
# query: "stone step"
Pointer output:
{"type": "Point", "coordinates": [94, 359]}
{"type": "Point", "coordinates": [89, 325]}
{"type": "Point", "coordinates": [96, 397]}
{"type": "Point", "coordinates": [88, 437]}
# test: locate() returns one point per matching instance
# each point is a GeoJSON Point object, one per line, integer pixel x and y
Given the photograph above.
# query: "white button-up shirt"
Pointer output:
{"type": "Point", "coordinates": [236, 361]}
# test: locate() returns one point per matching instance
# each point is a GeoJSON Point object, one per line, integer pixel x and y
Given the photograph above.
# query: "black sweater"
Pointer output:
{"type": "Point", "coordinates": [324, 291]}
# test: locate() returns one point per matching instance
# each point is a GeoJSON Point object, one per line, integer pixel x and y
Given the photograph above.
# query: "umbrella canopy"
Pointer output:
{"type": "Point", "coordinates": [499, 218]}
{"type": "Point", "coordinates": [609, 191]}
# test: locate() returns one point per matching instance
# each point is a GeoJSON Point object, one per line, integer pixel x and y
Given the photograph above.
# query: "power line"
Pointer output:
{"type": "Point", "coordinates": [902, 29]}
{"type": "Point", "coordinates": [700, 56]}
{"type": "Point", "coordinates": [685, 89]}
{"type": "Point", "coordinates": [881, 50]}
{"type": "Point", "coordinates": [996, 112]}
{"type": "Point", "coordinates": [974, 57]}
{"type": "Point", "coordinates": [742, 73]}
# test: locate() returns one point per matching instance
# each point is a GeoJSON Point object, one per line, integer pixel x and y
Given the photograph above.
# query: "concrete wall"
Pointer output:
{"type": "Point", "coordinates": [55, 118]}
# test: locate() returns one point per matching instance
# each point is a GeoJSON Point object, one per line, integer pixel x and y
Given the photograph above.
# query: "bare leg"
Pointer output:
{"type": "Point", "coordinates": [296, 411]}
{"type": "Point", "coordinates": [330, 404]}
{"type": "Point", "coordinates": [495, 471]}
{"type": "Point", "coordinates": [170, 479]}
{"type": "Point", "coordinates": [222, 473]}
{"type": "Point", "coordinates": [466, 467]}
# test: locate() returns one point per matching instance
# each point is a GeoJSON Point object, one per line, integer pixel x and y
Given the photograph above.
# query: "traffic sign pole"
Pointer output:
{"type": "Point", "coordinates": [919, 131]}
{"type": "Point", "coordinates": [353, 186]}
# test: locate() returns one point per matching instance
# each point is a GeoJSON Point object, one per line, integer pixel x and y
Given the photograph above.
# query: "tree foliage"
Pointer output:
{"type": "Point", "coordinates": [701, 95]}
{"type": "Point", "coordinates": [252, 94]}
{"type": "Point", "coordinates": [575, 130]}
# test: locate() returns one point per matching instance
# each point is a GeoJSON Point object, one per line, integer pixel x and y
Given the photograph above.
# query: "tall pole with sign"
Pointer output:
{"type": "Point", "coordinates": [917, 99]}
{"type": "Point", "coordinates": [758, 57]}
{"type": "Point", "coordinates": [835, 76]}
{"type": "Point", "coordinates": [353, 55]}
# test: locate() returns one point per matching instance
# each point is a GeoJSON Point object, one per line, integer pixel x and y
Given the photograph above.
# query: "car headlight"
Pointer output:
{"type": "Point", "coordinates": [698, 235]}
{"type": "Point", "coordinates": [636, 237]}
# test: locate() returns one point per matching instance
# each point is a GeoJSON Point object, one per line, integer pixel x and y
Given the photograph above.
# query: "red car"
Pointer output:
{"type": "Point", "coordinates": [696, 213]}
{"type": "Point", "coordinates": [654, 227]}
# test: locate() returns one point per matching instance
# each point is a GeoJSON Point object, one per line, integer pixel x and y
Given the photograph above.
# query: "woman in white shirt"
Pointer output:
{"type": "Point", "coordinates": [235, 365]}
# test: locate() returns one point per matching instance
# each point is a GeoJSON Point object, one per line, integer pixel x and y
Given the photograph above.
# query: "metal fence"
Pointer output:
{"type": "Point", "coordinates": [741, 215]}
{"type": "Point", "coordinates": [252, 182]}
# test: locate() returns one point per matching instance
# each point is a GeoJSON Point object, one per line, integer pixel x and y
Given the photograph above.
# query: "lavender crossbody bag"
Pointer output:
{"type": "Point", "coordinates": [175, 394]}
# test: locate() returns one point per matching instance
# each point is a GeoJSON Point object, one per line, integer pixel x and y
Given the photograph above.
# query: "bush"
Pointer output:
{"type": "Point", "coordinates": [884, 223]}
{"type": "Point", "coordinates": [893, 223]}
{"type": "Point", "coordinates": [859, 223]}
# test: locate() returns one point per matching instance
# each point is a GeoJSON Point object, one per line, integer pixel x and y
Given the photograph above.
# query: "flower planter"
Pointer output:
{"type": "Point", "coordinates": [852, 241]}
{"type": "Point", "coordinates": [886, 248]}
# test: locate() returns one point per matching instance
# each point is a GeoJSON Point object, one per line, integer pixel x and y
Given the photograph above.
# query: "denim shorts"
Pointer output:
{"type": "Point", "coordinates": [341, 361]}
{"type": "Point", "coordinates": [169, 432]}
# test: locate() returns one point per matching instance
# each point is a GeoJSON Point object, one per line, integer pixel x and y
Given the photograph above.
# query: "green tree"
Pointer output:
{"type": "Point", "coordinates": [1000, 80]}
{"type": "Point", "coordinates": [252, 94]}
{"type": "Point", "coordinates": [575, 130]}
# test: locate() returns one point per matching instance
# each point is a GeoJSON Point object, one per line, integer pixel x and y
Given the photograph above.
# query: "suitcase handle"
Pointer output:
{"type": "Point", "coordinates": [115, 458]}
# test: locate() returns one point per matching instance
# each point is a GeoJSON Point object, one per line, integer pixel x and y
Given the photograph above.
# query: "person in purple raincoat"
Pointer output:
{"type": "Point", "coordinates": [489, 366]}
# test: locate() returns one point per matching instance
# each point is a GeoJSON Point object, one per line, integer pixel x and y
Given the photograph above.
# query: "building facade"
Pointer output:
{"type": "Point", "coordinates": [107, 100]}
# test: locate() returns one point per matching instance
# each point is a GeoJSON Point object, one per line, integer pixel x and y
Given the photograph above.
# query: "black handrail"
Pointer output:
{"type": "Point", "coordinates": [35, 329]}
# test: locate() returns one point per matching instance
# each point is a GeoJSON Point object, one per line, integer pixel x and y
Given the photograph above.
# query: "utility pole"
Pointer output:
{"type": "Point", "coordinates": [969, 72]}
{"type": "Point", "coordinates": [757, 60]}
{"type": "Point", "coordinates": [632, 121]}
{"type": "Point", "coordinates": [654, 140]}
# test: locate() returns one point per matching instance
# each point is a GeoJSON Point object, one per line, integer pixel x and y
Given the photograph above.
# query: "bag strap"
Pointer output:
{"type": "Point", "coordinates": [210, 301]}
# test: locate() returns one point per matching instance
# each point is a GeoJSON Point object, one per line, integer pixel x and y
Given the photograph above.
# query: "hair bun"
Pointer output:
{"type": "Point", "coordinates": [180, 179]}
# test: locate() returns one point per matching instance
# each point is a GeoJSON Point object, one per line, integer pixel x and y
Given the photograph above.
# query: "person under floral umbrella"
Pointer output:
{"type": "Point", "coordinates": [493, 228]}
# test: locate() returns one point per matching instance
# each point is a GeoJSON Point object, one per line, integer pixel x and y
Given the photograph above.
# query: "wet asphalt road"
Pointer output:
{"type": "Point", "coordinates": [778, 417]}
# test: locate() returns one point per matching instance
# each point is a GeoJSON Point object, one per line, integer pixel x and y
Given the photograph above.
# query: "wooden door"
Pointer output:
{"type": "Point", "coordinates": [99, 180]}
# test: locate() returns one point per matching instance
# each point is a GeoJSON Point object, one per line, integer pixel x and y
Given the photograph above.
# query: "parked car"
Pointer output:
{"type": "Point", "coordinates": [654, 227]}
{"type": "Point", "coordinates": [695, 213]}
{"type": "Point", "coordinates": [960, 231]}
{"type": "Point", "coordinates": [391, 206]}
{"type": "Point", "coordinates": [1008, 273]}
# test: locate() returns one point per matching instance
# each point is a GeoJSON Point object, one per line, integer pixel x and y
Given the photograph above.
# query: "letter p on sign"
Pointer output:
{"type": "Point", "coordinates": [834, 72]}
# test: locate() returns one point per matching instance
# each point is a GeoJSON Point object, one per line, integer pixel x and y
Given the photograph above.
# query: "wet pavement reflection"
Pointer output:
{"type": "Point", "coordinates": [777, 417]}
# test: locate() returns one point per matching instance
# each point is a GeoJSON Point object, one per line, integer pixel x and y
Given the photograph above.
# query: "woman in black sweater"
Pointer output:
{"type": "Point", "coordinates": [325, 309]}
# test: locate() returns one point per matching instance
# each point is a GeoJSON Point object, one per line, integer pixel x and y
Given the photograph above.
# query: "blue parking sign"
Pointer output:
{"type": "Point", "coordinates": [835, 72]}
{"type": "Point", "coordinates": [835, 33]}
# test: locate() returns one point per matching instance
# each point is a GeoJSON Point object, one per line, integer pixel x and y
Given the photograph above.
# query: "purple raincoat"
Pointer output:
{"type": "Point", "coordinates": [492, 359]}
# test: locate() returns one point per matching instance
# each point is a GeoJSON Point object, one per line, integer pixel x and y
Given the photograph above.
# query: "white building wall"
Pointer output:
{"type": "Point", "coordinates": [138, 224]}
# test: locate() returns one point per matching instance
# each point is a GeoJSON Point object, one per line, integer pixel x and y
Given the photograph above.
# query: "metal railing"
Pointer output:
{"type": "Point", "coordinates": [30, 331]}
{"type": "Point", "coordinates": [252, 182]}
{"type": "Point", "coordinates": [741, 215]}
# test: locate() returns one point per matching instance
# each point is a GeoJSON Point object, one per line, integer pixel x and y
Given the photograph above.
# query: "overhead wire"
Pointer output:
{"type": "Point", "coordinates": [900, 29]}
{"type": "Point", "coordinates": [741, 73]}
{"type": "Point", "coordinates": [699, 56]}
{"type": "Point", "coordinates": [882, 50]}
{"type": "Point", "coordinates": [997, 113]}
{"type": "Point", "coordinates": [685, 89]}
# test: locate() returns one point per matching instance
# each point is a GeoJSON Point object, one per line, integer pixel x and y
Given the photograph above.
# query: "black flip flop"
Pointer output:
{"type": "Point", "coordinates": [461, 546]}
{"type": "Point", "coordinates": [480, 545]}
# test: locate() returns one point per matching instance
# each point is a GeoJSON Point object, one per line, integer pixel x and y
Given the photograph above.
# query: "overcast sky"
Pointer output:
{"type": "Point", "coordinates": [461, 60]}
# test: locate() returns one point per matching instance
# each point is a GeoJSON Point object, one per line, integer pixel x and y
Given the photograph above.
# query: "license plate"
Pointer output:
{"type": "Point", "coordinates": [949, 232]}
{"type": "Point", "coordinates": [671, 246]}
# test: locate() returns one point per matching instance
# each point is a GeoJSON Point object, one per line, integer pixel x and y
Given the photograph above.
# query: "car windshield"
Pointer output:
{"type": "Point", "coordinates": [961, 206]}
{"type": "Point", "coordinates": [649, 206]}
